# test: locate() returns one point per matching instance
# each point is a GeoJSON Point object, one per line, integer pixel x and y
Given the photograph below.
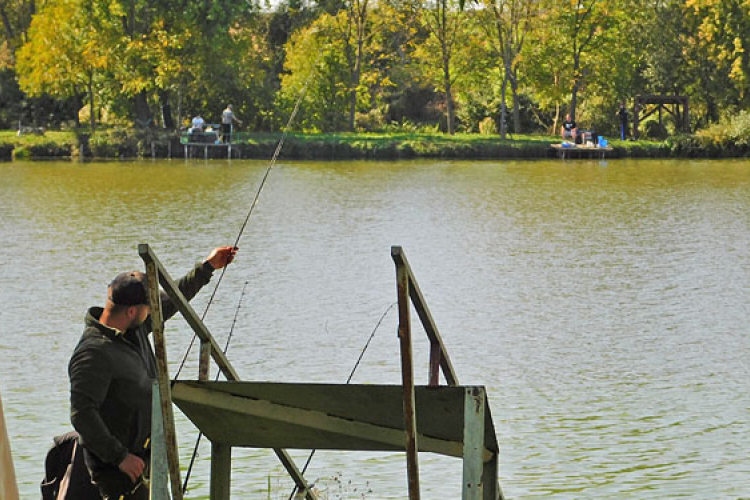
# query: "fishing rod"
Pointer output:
{"type": "Point", "coordinates": [254, 203]}
{"type": "Point", "coordinates": [226, 347]}
{"type": "Point", "coordinates": [349, 379]}
{"type": "Point", "coordinates": [236, 243]}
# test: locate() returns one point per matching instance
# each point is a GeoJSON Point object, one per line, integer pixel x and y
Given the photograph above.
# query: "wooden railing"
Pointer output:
{"type": "Point", "coordinates": [408, 288]}
{"type": "Point", "coordinates": [209, 349]}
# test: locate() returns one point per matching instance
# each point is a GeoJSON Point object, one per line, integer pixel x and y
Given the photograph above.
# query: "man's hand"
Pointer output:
{"type": "Point", "coordinates": [132, 466]}
{"type": "Point", "coordinates": [221, 256]}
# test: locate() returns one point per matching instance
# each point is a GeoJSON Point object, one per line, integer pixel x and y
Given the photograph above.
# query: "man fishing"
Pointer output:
{"type": "Point", "coordinates": [111, 374]}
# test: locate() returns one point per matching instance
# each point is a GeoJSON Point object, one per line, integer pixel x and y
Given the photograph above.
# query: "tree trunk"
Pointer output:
{"type": "Point", "coordinates": [92, 108]}
{"type": "Point", "coordinates": [143, 116]}
{"type": "Point", "coordinates": [9, 36]}
{"type": "Point", "coordinates": [503, 109]}
{"type": "Point", "coordinates": [166, 110]}
{"type": "Point", "coordinates": [576, 86]}
{"type": "Point", "coordinates": [448, 93]}
{"type": "Point", "coordinates": [516, 102]}
{"type": "Point", "coordinates": [557, 118]}
{"type": "Point", "coordinates": [77, 105]}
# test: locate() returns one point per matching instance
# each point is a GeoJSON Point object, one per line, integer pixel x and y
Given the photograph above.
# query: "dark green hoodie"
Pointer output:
{"type": "Point", "coordinates": [111, 374]}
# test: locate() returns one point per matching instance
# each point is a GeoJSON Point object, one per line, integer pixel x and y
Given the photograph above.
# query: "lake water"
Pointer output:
{"type": "Point", "coordinates": [604, 305]}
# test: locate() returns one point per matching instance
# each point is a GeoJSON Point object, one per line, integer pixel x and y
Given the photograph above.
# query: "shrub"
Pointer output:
{"type": "Point", "coordinates": [487, 126]}
{"type": "Point", "coordinates": [21, 153]}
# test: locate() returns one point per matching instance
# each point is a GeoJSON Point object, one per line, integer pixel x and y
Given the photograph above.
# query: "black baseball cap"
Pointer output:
{"type": "Point", "coordinates": [129, 289]}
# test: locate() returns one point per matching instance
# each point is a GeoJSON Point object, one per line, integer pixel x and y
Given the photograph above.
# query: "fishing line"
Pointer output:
{"type": "Point", "coordinates": [255, 201]}
{"type": "Point", "coordinates": [226, 347]}
{"type": "Point", "coordinates": [361, 355]}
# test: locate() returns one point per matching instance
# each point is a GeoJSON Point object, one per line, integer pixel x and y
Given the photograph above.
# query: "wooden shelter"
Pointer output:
{"type": "Point", "coordinates": [646, 105]}
{"type": "Point", "coordinates": [451, 420]}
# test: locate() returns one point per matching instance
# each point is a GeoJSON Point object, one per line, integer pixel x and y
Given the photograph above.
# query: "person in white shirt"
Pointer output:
{"type": "Point", "coordinates": [197, 124]}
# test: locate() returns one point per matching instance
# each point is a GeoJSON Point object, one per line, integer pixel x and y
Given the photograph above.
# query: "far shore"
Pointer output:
{"type": "Point", "coordinates": [122, 144]}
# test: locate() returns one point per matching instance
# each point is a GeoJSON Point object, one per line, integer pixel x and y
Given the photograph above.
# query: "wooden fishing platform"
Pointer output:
{"type": "Point", "coordinates": [450, 419]}
{"type": "Point", "coordinates": [188, 146]}
{"type": "Point", "coordinates": [581, 151]}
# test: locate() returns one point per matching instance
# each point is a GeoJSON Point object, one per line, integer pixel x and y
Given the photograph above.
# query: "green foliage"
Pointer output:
{"type": "Point", "coordinates": [487, 127]}
{"type": "Point", "coordinates": [723, 30]}
{"type": "Point", "coordinates": [125, 60]}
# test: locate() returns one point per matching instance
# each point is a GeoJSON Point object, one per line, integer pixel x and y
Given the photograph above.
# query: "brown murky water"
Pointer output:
{"type": "Point", "coordinates": [604, 305]}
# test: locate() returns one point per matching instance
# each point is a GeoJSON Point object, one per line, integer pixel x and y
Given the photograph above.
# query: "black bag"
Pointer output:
{"type": "Point", "coordinates": [65, 473]}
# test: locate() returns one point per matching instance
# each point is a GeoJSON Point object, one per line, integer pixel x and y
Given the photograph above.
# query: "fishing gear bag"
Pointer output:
{"type": "Point", "coordinates": [65, 473]}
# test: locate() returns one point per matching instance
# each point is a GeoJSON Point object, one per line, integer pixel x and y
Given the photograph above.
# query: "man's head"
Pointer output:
{"type": "Point", "coordinates": [567, 117]}
{"type": "Point", "coordinates": [229, 107]}
{"type": "Point", "coordinates": [127, 299]}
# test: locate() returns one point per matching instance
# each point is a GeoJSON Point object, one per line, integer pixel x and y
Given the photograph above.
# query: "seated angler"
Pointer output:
{"type": "Point", "coordinates": [569, 129]}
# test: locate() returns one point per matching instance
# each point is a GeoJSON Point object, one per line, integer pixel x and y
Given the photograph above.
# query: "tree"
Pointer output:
{"type": "Point", "coordinates": [507, 24]}
{"type": "Point", "coordinates": [317, 71]}
{"type": "Point", "coordinates": [62, 57]}
{"type": "Point", "coordinates": [723, 31]}
{"type": "Point", "coordinates": [585, 25]}
{"type": "Point", "coordinates": [443, 19]}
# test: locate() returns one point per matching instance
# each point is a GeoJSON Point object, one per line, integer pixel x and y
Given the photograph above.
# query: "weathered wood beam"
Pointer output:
{"type": "Point", "coordinates": [473, 487]}
{"type": "Point", "coordinates": [407, 378]}
{"type": "Point", "coordinates": [316, 420]}
{"type": "Point", "coordinates": [8, 486]}
{"type": "Point", "coordinates": [188, 312]}
{"type": "Point", "coordinates": [162, 377]}
{"type": "Point", "coordinates": [159, 468]}
{"type": "Point", "coordinates": [420, 305]}
{"type": "Point", "coordinates": [221, 471]}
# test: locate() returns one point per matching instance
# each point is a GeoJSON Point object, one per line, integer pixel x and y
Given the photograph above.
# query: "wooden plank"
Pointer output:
{"type": "Point", "coordinates": [491, 480]}
{"type": "Point", "coordinates": [407, 378]}
{"type": "Point", "coordinates": [8, 486]}
{"type": "Point", "coordinates": [170, 434]}
{"type": "Point", "coordinates": [473, 444]}
{"type": "Point", "coordinates": [420, 305]}
{"type": "Point", "coordinates": [221, 471]}
{"type": "Point", "coordinates": [159, 470]}
{"type": "Point", "coordinates": [440, 410]}
{"type": "Point", "coordinates": [313, 422]}
{"type": "Point", "coordinates": [302, 486]}
{"type": "Point", "coordinates": [204, 363]}
{"type": "Point", "coordinates": [434, 374]}
{"type": "Point", "coordinates": [189, 314]}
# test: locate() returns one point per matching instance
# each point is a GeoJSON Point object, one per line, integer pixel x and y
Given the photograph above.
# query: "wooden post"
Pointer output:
{"type": "Point", "coordinates": [170, 435]}
{"type": "Point", "coordinates": [636, 116]}
{"type": "Point", "coordinates": [204, 363]}
{"type": "Point", "coordinates": [473, 444]}
{"type": "Point", "coordinates": [491, 480]}
{"type": "Point", "coordinates": [407, 377]}
{"type": "Point", "coordinates": [159, 470]}
{"type": "Point", "coordinates": [8, 486]}
{"type": "Point", "coordinates": [221, 471]}
{"type": "Point", "coordinates": [686, 116]}
{"type": "Point", "coordinates": [434, 376]}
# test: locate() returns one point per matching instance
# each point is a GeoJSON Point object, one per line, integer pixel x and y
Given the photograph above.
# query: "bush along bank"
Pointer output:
{"type": "Point", "coordinates": [123, 144]}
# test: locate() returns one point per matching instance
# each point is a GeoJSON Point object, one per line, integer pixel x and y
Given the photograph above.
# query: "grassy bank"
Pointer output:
{"type": "Point", "coordinates": [120, 143]}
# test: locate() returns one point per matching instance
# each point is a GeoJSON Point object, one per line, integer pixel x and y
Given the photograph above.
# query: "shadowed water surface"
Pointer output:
{"type": "Point", "coordinates": [604, 305]}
